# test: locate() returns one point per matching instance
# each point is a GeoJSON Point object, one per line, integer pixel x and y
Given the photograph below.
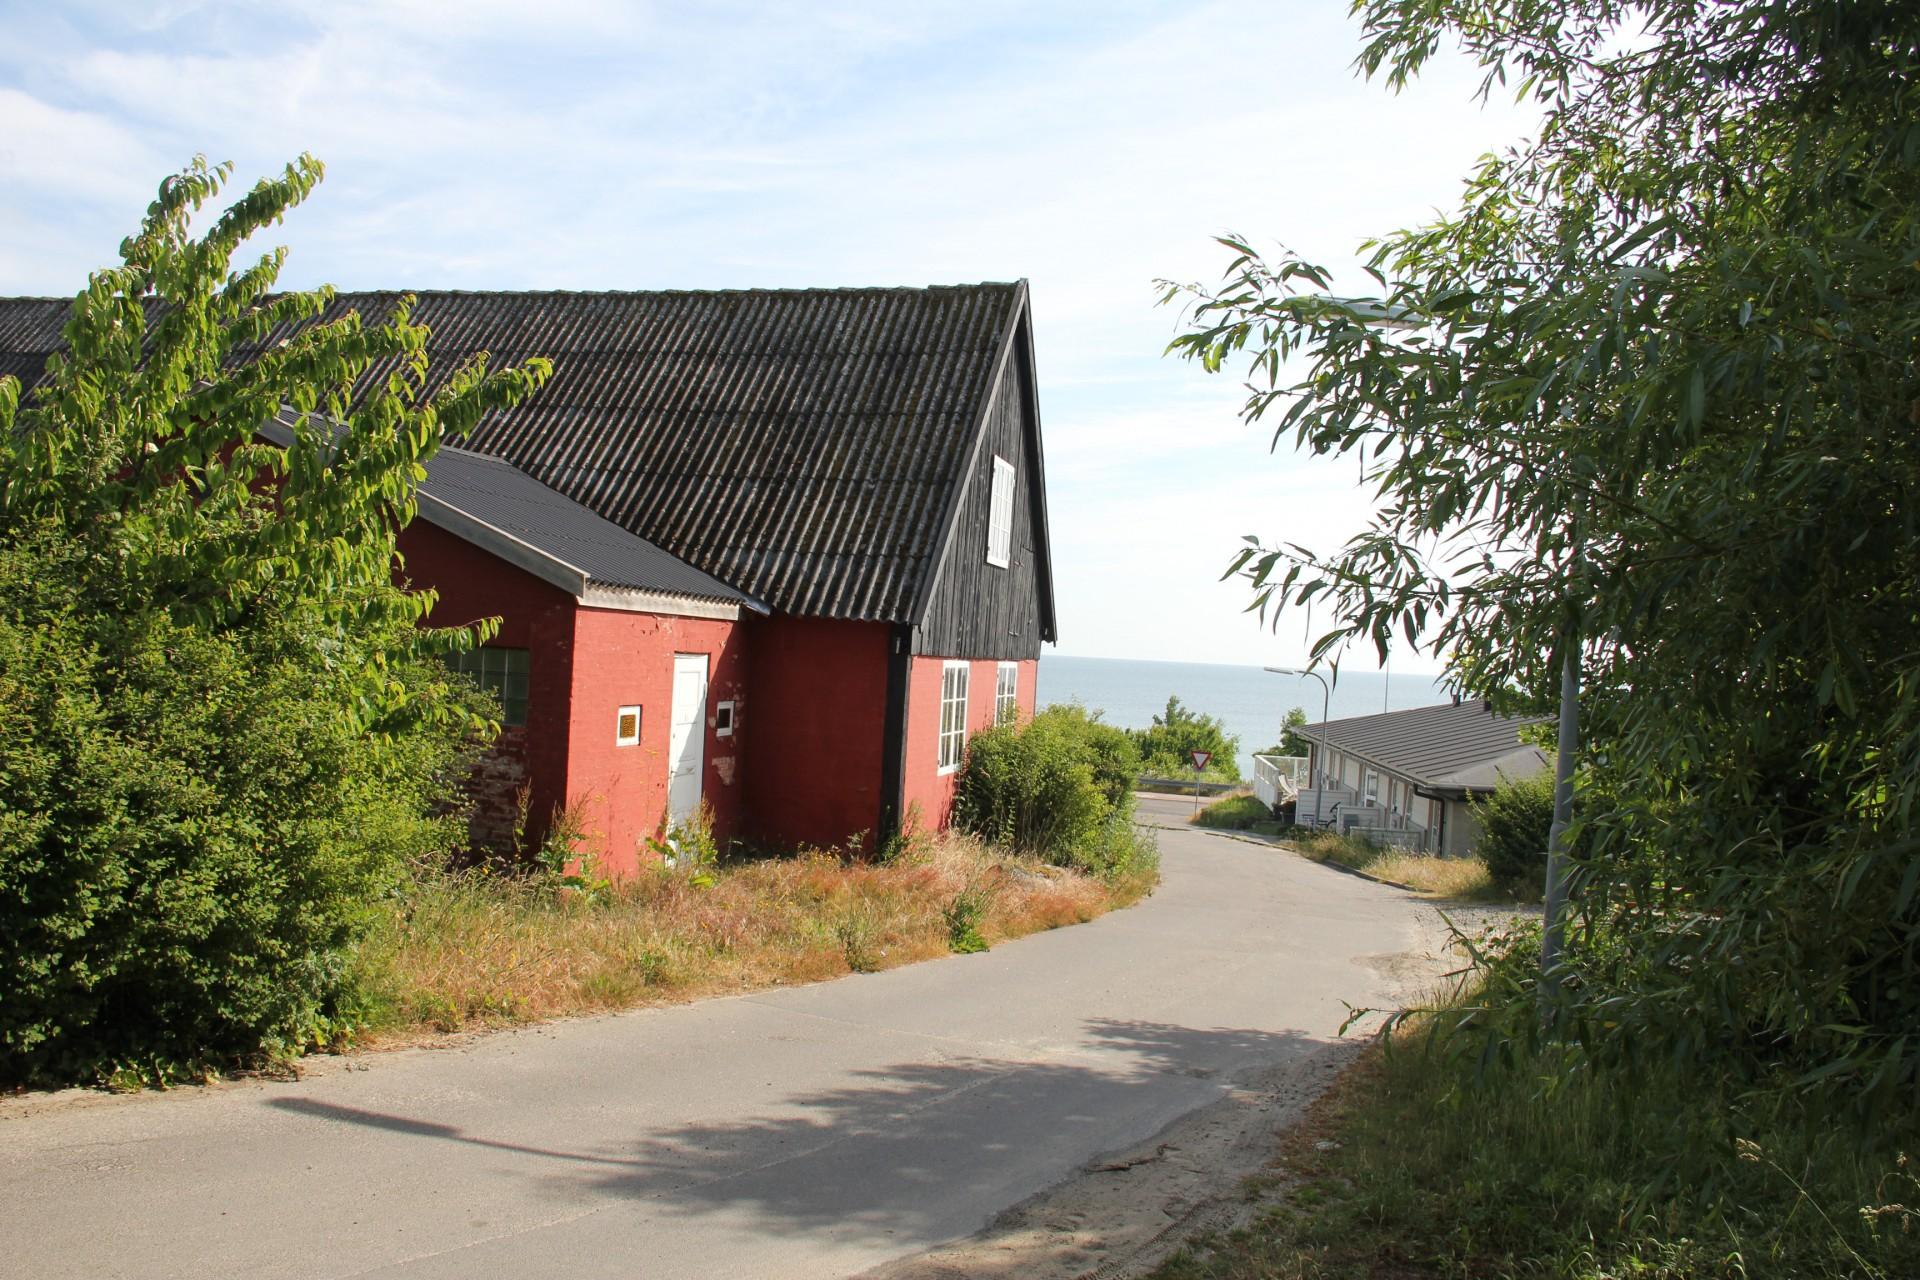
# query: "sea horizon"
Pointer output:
{"type": "Point", "coordinates": [1249, 701]}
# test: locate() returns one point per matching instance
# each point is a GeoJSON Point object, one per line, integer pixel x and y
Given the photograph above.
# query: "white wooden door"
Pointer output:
{"type": "Point", "coordinates": [687, 736]}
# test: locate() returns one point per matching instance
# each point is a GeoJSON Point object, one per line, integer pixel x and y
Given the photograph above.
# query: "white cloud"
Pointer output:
{"type": "Point", "coordinates": [50, 154]}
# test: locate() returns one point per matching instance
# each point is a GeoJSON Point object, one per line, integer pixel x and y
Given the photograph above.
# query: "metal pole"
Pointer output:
{"type": "Point", "coordinates": [1553, 931]}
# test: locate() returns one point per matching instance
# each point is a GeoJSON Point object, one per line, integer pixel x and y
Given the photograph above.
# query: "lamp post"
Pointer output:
{"type": "Point", "coordinates": [1326, 702]}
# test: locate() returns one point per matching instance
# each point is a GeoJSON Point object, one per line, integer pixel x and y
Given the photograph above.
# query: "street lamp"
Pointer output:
{"type": "Point", "coordinates": [1326, 701]}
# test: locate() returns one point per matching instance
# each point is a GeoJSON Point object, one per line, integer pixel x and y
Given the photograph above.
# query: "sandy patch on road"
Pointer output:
{"type": "Point", "coordinates": [1126, 1212]}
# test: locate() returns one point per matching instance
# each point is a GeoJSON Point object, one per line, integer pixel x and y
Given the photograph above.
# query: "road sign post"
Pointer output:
{"type": "Point", "coordinates": [1200, 761]}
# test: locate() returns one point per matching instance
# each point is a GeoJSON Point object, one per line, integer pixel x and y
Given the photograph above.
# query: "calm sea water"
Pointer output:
{"type": "Point", "coordinates": [1249, 701]}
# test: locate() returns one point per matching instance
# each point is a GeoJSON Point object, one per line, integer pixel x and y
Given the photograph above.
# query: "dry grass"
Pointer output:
{"type": "Point", "coordinates": [1464, 878]}
{"type": "Point", "coordinates": [1446, 877]}
{"type": "Point", "coordinates": [474, 950]}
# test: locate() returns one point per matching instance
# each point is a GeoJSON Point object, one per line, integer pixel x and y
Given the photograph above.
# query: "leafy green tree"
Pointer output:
{"type": "Point", "coordinates": [1167, 747]}
{"type": "Point", "coordinates": [1291, 743]}
{"type": "Point", "coordinates": [1648, 399]}
{"type": "Point", "coordinates": [223, 732]}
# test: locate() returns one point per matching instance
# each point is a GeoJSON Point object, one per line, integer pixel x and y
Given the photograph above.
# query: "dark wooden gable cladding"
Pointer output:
{"type": "Point", "coordinates": [976, 609]}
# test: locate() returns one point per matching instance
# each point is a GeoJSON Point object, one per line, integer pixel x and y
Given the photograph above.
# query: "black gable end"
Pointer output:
{"type": "Point", "coordinates": [975, 608]}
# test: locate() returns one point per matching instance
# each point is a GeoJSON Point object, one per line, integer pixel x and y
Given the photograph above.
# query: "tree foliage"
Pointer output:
{"type": "Point", "coordinates": [1291, 743]}
{"type": "Point", "coordinates": [1166, 749]}
{"type": "Point", "coordinates": [223, 731]}
{"type": "Point", "coordinates": [1652, 390]}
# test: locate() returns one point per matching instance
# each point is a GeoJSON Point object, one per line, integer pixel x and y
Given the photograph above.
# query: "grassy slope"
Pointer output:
{"type": "Point", "coordinates": [470, 950]}
{"type": "Point", "coordinates": [1421, 1164]}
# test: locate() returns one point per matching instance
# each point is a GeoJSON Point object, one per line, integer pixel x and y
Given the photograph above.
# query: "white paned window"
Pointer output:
{"type": "Point", "coordinates": [953, 715]}
{"type": "Point", "coordinates": [1000, 514]}
{"type": "Point", "coordinates": [1372, 787]}
{"type": "Point", "coordinates": [1006, 694]}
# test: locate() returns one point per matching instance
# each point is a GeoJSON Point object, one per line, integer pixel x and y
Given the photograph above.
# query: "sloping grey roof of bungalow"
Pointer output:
{"type": "Point", "coordinates": [1453, 747]}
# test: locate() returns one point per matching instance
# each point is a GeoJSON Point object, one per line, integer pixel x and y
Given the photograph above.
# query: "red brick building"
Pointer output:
{"type": "Point", "coordinates": [775, 551]}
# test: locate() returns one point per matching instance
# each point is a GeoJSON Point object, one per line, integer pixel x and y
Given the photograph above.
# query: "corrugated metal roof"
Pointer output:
{"type": "Point", "coordinates": [500, 494]}
{"type": "Point", "coordinates": [501, 497]}
{"type": "Point", "coordinates": [1448, 746]}
{"type": "Point", "coordinates": [29, 333]}
{"type": "Point", "coordinates": [800, 444]}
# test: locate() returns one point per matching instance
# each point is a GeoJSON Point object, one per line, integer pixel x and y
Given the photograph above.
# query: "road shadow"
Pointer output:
{"type": "Point", "coordinates": [890, 1157]}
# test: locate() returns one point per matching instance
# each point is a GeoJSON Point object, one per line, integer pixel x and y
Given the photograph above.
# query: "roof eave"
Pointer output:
{"type": "Point", "coordinates": [604, 595]}
{"type": "Point", "coordinates": [498, 542]}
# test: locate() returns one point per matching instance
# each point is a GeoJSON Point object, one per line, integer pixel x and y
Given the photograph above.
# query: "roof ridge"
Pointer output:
{"type": "Point", "coordinates": [1405, 711]}
{"type": "Point", "coordinates": [739, 291]}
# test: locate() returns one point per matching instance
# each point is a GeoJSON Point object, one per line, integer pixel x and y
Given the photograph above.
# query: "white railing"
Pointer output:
{"type": "Point", "coordinates": [1323, 805]}
{"type": "Point", "coordinates": [1278, 779]}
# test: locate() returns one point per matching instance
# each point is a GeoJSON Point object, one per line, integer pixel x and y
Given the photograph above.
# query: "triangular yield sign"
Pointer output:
{"type": "Point", "coordinates": [1201, 759]}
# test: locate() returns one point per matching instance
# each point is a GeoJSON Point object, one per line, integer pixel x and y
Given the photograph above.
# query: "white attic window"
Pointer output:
{"type": "Point", "coordinates": [1000, 514]}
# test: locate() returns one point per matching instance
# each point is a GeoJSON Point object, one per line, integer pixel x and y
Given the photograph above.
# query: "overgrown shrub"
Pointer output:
{"type": "Point", "coordinates": [1514, 822]}
{"type": "Point", "coordinates": [1030, 788]}
{"type": "Point", "coordinates": [1057, 788]}
{"type": "Point", "coordinates": [190, 835]}
{"type": "Point", "coordinates": [1111, 750]}
{"type": "Point", "coordinates": [223, 731]}
{"type": "Point", "coordinates": [1234, 813]}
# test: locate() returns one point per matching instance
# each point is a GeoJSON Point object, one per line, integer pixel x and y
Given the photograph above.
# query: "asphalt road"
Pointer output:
{"type": "Point", "coordinates": [811, 1131]}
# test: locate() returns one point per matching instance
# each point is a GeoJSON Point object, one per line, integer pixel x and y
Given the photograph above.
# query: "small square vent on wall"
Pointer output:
{"type": "Point", "coordinates": [627, 727]}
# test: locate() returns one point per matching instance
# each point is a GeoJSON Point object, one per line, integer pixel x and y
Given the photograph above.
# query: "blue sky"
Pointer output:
{"type": "Point", "coordinates": [587, 144]}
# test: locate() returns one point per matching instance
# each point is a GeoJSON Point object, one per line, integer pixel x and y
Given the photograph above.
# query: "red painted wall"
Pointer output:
{"type": "Point", "coordinates": [816, 720]}
{"type": "Point", "coordinates": [625, 659]}
{"type": "Point", "coordinates": [925, 785]}
{"type": "Point", "coordinates": [817, 725]}
{"type": "Point", "coordinates": [583, 665]}
{"type": "Point", "coordinates": [535, 616]}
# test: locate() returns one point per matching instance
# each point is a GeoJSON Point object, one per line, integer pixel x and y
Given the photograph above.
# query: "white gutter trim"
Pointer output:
{"type": "Point", "coordinates": [634, 600]}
